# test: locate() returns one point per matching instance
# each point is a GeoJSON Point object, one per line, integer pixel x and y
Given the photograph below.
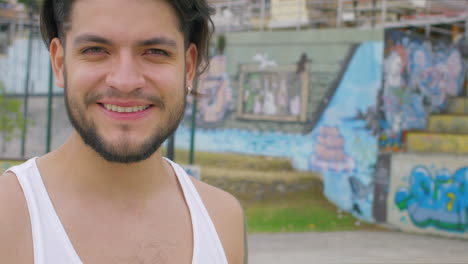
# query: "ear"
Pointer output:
{"type": "Point", "coordinates": [57, 57]}
{"type": "Point", "coordinates": [190, 64]}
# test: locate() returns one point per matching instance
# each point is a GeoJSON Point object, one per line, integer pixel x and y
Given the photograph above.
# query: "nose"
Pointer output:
{"type": "Point", "coordinates": [125, 74]}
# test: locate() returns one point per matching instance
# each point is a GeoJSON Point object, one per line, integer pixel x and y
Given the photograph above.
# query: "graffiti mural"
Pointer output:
{"type": "Point", "coordinates": [428, 194]}
{"type": "Point", "coordinates": [419, 76]}
{"type": "Point", "coordinates": [345, 143]}
{"type": "Point", "coordinates": [329, 153]}
{"type": "Point", "coordinates": [438, 199]}
{"type": "Point", "coordinates": [342, 146]}
{"type": "Point", "coordinates": [273, 93]}
{"type": "Point", "coordinates": [216, 100]}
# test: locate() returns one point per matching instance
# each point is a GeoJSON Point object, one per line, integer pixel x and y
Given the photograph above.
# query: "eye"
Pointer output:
{"type": "Point", "coordinates": [156, 52]}
{"type": "Point", "coordinates": [93, 50]}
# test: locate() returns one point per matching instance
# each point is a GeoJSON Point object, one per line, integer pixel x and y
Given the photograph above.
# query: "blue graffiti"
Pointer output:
{"type": "Point", "coordinates": [440, 201]}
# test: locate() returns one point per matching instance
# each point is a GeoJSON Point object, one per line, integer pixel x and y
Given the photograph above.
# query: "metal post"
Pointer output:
{"type": "Point", "coordinates": [229, 7]}
{"type": "Point", "coordinates": [26, 94]}
{"type": "Point", "coordinates": [262, 14]}
{"type": "Point", "coordinates": [339, 10]}
{"type": "Point", "coordinates": [49, 110]}
{"type": "Point", "coordinates": [299, 13]}
{"type": "Point", "coordinates": [192, 131]}
{"type": "Point", "coordinates": [384, 12]}
{"type": "Point", "coordinates": [373, 19]}
{"type": "Point", "coordinates": [193, 126]}
{"type": "Point", "coordinates": [170, 147]}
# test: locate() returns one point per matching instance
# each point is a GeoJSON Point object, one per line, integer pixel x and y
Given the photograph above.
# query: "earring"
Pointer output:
{"type": "Point", "coordinates": [189, 89]}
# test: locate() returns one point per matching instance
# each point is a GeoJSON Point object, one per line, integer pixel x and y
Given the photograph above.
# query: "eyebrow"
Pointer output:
{"type": "Point", "coordinates": [148, 42]}
{"type": "Point", "coordinates": [91, 38]}
{"type": "Point", "coordinates": [158, 41]}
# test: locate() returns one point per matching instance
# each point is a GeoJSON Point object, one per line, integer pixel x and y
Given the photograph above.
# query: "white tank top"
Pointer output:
{"type": "Point", "coordinates": [51, 244]}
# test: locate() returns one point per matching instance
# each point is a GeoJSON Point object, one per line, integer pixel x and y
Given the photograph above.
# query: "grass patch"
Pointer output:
{"type": "Point", "coordinates": [300, 212]}
{"type": "Point", "coordinates": [234, 161]}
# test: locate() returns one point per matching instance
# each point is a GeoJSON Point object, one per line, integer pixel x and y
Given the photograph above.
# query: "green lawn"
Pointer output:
{"type": "Point", "coordinates": [299, 213]}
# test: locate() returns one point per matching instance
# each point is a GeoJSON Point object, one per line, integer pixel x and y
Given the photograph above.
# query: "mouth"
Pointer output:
{"type": "Point", "coordinates": [125, 109]}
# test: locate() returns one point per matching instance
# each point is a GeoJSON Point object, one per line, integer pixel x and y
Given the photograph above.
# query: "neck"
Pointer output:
{"type": "Point", "coordinates": [79, 168]}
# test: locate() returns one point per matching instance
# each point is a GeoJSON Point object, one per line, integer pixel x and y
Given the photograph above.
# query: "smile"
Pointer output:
{"type": "Point", "coordinates": [121, 109]}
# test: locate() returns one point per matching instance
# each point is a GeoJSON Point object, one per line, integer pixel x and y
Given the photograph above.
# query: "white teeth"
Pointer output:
{"type": "Point", "coordinates": [121, 109]}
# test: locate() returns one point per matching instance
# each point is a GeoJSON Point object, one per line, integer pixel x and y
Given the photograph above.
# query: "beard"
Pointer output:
{"type": "Point", "coordinates": [123, 151]}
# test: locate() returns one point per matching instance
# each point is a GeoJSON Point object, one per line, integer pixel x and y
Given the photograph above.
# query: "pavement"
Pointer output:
{"type": "Point", "coordinates": [355, 247]}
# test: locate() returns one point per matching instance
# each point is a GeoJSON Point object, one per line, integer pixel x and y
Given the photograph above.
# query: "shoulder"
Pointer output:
{"type": "Point", "coordinates": [15, 227]}
{"type": "Point", "coordinates": [228, 218]}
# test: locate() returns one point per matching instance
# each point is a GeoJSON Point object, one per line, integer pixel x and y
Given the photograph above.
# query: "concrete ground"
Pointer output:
{"type": "Point", "coordinates": [357, 247]}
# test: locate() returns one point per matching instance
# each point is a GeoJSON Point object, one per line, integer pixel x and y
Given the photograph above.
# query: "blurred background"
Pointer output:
{"type": "Point", "coordinates": [318, 115]}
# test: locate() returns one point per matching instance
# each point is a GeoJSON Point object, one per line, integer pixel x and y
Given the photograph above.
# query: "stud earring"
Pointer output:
{"type": "Point", "coordinates": [189, 89]}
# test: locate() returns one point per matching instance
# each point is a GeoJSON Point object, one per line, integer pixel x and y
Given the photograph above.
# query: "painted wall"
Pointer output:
{"type": "Point", "coordinates": [428, 194]}
{"type": "Point", "coordinates": [345, 147]}
{"type": "Point", "coordinates": [337, 135]}
{"type": "Point", "coordinates": [419, 76]}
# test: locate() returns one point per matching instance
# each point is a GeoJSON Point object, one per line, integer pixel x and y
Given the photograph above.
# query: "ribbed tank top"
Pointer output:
{"type": "Point", "coordinates": [51, 244]}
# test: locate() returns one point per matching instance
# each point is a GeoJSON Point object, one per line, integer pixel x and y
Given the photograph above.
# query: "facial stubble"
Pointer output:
{"type": "Point", "coordinates": [123, 151]}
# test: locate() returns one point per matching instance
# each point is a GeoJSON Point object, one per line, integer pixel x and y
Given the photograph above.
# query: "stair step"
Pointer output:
{"type": "Point", "coordinates": [427, 142]}
{"type": "Point", "coordinates": [457, 105]}
{"type": "Point", "coordinates": [448, 123]}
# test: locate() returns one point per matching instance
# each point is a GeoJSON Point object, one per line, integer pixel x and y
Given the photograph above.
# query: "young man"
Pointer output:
{"type": "Point", "coordinates": [107, 195]}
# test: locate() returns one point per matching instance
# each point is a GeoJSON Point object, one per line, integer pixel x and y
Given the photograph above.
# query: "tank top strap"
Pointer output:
{"type": "Point", "coordinates": [50, 241]}
{"type": "Point", "coordinates": [207, 247]}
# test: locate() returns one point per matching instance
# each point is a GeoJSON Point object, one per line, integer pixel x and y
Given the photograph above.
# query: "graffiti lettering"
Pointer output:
{"type": "Point", "coordinates": [440, 201]}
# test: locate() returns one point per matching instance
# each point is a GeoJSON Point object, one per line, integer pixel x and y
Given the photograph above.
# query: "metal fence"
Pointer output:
{"type": "Point", "coordinates": [252, 15]}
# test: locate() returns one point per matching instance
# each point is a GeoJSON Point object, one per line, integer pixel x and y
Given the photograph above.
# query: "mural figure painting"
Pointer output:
{"type": "Point", "coordinates": [419, 76]}
{"type": "Point", "coordinates": [275, 93]}
{"type": "Point", "coordinates": [216, 100]}
{"type": "Point", "coordinates": [126, 75]}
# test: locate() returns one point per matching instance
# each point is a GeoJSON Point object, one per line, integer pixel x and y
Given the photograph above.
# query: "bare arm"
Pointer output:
{"type": "Point", "coordinates": [15, 227]}
{"type": "Point", "coordinates": [246, 245]}
{"type": "Point", "coordinates": [228, 217]}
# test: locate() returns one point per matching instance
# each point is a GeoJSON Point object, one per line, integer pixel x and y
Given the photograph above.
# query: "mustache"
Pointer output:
{"type": "Point", "coordinates": [92, 97]}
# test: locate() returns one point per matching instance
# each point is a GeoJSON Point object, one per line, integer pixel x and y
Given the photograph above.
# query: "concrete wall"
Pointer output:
{"type": "Point", "coordinates": [428, 194]}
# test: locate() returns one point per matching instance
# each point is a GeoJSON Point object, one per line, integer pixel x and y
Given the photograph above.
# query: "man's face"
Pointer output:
{"type": "Point", "coordinates": [124, 70]}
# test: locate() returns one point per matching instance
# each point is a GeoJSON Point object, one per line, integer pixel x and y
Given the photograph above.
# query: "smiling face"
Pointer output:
{"type": "Point", "coordinates": [124, 68]}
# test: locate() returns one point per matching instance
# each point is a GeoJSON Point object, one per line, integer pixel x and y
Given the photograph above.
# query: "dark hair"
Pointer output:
{"type": "Point", "coordinates": [194, 18]}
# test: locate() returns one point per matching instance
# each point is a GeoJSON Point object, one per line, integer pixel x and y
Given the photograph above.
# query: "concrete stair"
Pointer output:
{"type": "Point", "coordinates": [457, 105]}
{"type": "Point", "coordinates": [448, 123]}
{"type": "Point", "coordinates": [427, 142]}
{"type": "Point", "coordinates": [445, 133]}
